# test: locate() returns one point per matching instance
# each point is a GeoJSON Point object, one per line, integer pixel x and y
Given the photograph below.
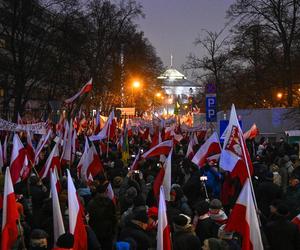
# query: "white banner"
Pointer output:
{"type": "Point", "coordinates": [36, 128]}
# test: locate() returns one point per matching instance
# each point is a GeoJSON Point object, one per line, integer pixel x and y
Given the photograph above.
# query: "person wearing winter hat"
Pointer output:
{"type": "Point", "coordinates": [102, 209]}
{"type": "Point", "coordinates": [136, 229]}
{"type": "Point", "coordinates": [205, 227]}
{"type": "Point", "coordinates": [64, 242]}
{"type": "Point", "coordinates": [233, 244]}
{"type": "Point", "coordinates": [281, 233]}
{"type": "Point", "coordinates": [38, 240]}
{"type": "Point", "coordinates": [214, 244]}
{"type": "Point", "coordinates": [184, 236]}
{"type": "Point", "coordinates": [216, 212]}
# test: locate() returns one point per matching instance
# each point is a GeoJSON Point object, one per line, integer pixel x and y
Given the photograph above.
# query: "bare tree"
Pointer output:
{"type": "Point", "coordinates": [281, 17]}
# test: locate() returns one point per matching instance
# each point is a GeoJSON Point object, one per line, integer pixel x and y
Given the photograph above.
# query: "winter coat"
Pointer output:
{"type": "Point", "coordinates": [206, 228]}
{"type": "Point", "coordinates": [140, 236]}
{"type": "Point", "coordinates": [282, 235]}
{"type": "Point", "coordinates": [102, 218]}
{"type": "Point", "coordinates": [292, 200]}
{"type": "Point", "coordinates": [185, 239]}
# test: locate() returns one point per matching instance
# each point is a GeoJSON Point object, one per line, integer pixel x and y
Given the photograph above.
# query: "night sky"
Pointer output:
{"type": "Point", "coordinates": [173, 25]}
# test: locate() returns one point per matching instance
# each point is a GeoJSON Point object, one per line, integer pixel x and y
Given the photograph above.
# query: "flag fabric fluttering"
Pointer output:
{"type": "Point", "coordinates": [52, 162]}
{"type": "Point", "coordinates": [108, 131]}
{"type": "Point", "coordinates": [243, 220]}
{"type": "Point", "coordinates": [10, 215]}
{"type": "Point", "coordinates": [85, 89]}
{"type": "Point", "coordinates": [163, 229]}
{"type": "Point", "coordinates": [190, 151]}
{"type": "Point", "coordinates": [17, 159]}
{"type": "Point", "coordinates": [134, 165]}
{"type": "Point", "coordinates": [76, 223]}
{"type": "Point", "coordinates": [251, 133]}
{"type": "Point", "coordinates": [125, 145]}
{"type": "Point", "coordinates": [211, 149]}
{"type": "Point", "coordinates": [235, 157]}
{"type": "Point", "coordinates": [1, 156]}
{"type": "Point", "coordinates": [58, 225]}
{"type": "Point", "coordinates": [162, 148]}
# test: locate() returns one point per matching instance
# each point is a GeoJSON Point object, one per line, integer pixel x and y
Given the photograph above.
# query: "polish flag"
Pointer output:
{"type": "Point", "coordinates": [29, 148]}
{"type": "Point", "coordinates": [85, 89]}
{"type": "Point", "coordinates": [110, 194]}
{"type": "Point", "coordinates": [91, 164]}
{"type": "Point", "coordinates": [243, 220]}
{"type": "Point", "coordinates": [134, 165]}
{"type": "Point", "coordinates": [25, 171]}
{"type": "Point", "coordinates": [190, 151]}
{"type": "Point", "coordinates": [235, 157]}
{"type": "Point", "coordinates": [211, 148]}
{"type": "Point", "coordinates": [163, 229]}
{"type": "Point", "coordinates": [164, 178]}
{"type": "Point", "coordinates": [52, 162]}
{"type": "Point", "coordinates": [109, 129]}
{"type": "Point", "coordinates": [195, 138]}
{"type": "Point", "coordinates": [67, 146]}
{"type": "Point", "coordinates": [162, 148]}
{"type": "Point", "coordinates": [10, 215]}
{"type": "Point", "coordinates": [84, 155]}
{"type": "Point", "coordinates": [167, 176]}
{"type": "Point", "coordinates": [1, 156]}
{"type": "Point", "coordinates": [251, 133]}
{"type": "Point", "coordinates": [17, 159]}
{"type": "Point", "coordinates": [296, 220]}
{"type": "Point", "coordinates": [58, 224]}
{"type": "Point", "coordinates": [76, 214]}
{"type": "Point", "coordinates": [41, 145]}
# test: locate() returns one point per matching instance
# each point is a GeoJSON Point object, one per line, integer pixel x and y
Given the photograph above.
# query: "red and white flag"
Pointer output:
{"type": "Point", "coordinates": [85, 89]}
{"type": "Point", "coordinates": [296, 220]}
{"type": "Point", "coordinates": [67, 144]}
{"type": "Point", "coordinates": [17, 159]}
{"type": "Point", "coordinates": [162, 148]}
{"type": "Point", "coordinates": [235, 157]}
{"type": "Point", "coordinates": [134, 165]}
{"type": "Point", "coordinates": [76, 214]}
{"type": "Point", "coordinates": [251, 133]}
{"type": "Point", "coordinates": [58, 224]}
{"type": "Point", "coordinates": [163, 178]}
{"type": "Point", "coordinates": [84, 155]}
{"type": "Point", "coordinates": [110, 193]}
{"type": "Point", "coordinates": [41, 145]}
{"type": "Point", "coordinates": [167, 176]}
{"type": "Point", "coordinates": [29, 148]}
{"type": "Point", "coordinates": [163, 229]}
{"type": "Point", "coordinates": [211, 149]}
{"type": "Point", "coordinates": [10, 215]}
{"type": "Point", "coordinates": [108, 131]}
{"type": "Point", "coordinates": [52, 162]}
{"type": "Point", "coordinates": [190, 151]}
{"type": "Point", "coordinates": [91, 164]}
{"type": "Point", "coordinates": [243, 220]}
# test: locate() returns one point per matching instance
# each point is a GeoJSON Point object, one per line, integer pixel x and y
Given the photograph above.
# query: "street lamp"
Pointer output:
{"type": "Point", "coordinates": [135, 85]}
{"type": "Point", "coordinates": [158, 94]}
{"type": "Point", "coordinates": [279, 95]}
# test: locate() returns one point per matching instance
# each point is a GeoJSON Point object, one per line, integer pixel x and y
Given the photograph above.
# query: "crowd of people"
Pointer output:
{"type": "Point", "coordinates": [200, 201]}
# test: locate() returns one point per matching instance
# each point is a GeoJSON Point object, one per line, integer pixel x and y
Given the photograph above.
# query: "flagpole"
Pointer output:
{"type": "Point", "coordinates": [249, 175]}
{"type": "Point", "coordinates": [107, 145]}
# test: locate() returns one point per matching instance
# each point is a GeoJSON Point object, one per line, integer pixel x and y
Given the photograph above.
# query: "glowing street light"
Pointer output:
{"type": "Point", "coordinates": [279, 95]}
{"type": "Point", "coordinates": [136, 84]}
{"type": "Point", "coordinates": [158, 94]}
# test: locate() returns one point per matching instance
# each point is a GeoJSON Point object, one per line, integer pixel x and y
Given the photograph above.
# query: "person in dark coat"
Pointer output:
{"type": "Point", "coordinates": [281, 233]}
{"type": "Point", "coordinates": [184, 237]}
{"type": "Point", "coordinates": [102, 217]}
{"type": "Point", "coordinates": [205, 227]}
{"type": "Point", "coordinates": [136, 230]}
{"type": "Point", "coordinates": [266, 192]}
